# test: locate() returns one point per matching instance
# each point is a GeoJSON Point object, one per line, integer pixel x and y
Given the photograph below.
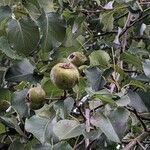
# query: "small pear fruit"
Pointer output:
{"type": "Point", "coordinates": [64, 75]}
{"type": "Point", "coordinates": [77, 58]}
{"type": "Point", "coordinates": [36, 96]}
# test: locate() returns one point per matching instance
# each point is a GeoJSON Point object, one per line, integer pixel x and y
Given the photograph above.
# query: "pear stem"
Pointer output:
{"type": "Point", "coordinates": [64, 96]}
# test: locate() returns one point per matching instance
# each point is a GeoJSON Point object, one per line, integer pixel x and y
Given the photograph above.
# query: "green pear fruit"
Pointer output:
{"type": "Point", "coordinates": [77, 58]}
{"type": "Point", "coordinates": [36, 97]}
{"type": "Point", "coordinates": [64, 75]}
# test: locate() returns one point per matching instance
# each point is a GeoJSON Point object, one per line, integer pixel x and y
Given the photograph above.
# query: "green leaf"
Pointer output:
{"type": "Point", "coordinates": [104, 97]}
{"type": "Point", "coordinates": [105, 125]}
{"type": "Point", "coordinates": [7, 122]}
{"type": "Point", "coordinates": [146, 68]}
{"type": "Point", "coordinates": [66, 129]}
{"type": "Point", "coordinates": [58, 146]}
{"type": "Point", "coordinates": [50, 89]}
{"type": "Point", "coordinates": [23, 35]}
{"type": "Point", "coordinates": [132, 59]}
{"type": "Point", "coordinates": [123, 101]}
{"type": "Point", "coordinates": [8, 2]}
{"type": "Point", "coordinates": [17, 127]}
{"type": "Point", "coordinates": [18, 102]}
{"type": "Point", "coordinates": [100, 58]}
{"type": "Point", "coordinates": [33, 8]}
{"type": "Point", "coordinates": [5, 94]}
{"type": "Point", "coordinates": [53, 28]}
{"type": "Point", "coordinates": [95, 79]}
{"type": "Point", "coordinates": [2, 128]}
{"type": "Point", "coordinates": [16, 145]}
{"type": "Point", "coordinates": [41, 128]}
{"type": "Point", "coordinates": [12, 123]}
{"type": "Point", "coordinates": [5, 14]}
{"type": "Point", "coordinates": [108, 20]}
{"type": "Point", "coordinates": [80, 87]}
{"type": "Point", "coordinates": [47, 5]}
{"type": "Point", "coordinates": [136, 102]}
{"type": "Point", "coordinates": [119, 119]}
{"type": "Point", "coordinates": [41, 147]}
{"type": "Point", "coordinates": [142, 77]}
{"type": "Point", "coordinates": [2, 76]}
{"type": "Point", "coordinates": [63, 108]}
{"type": "Point", "coordinates": [22, 71]}
{"type": "Point", "coordinates": [138, 84]}
{"type": "Point", "coordinates": [5, 48]}
{"type": "Point", "coordinates": [145, 98]}
{"type": "Point", "coordinates": [147, 31]}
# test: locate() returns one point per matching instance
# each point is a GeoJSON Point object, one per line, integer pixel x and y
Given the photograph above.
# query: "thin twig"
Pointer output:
{"type": "Point", "coordinates": [105, 33]}
{"type": "Point", "coordinates": [145, 118]}
{"type": "Point", "coordinates": [76, 142]}
{"type": "Point", "coordinates": [90, 144]}
{"type": "Point", "coordinates": [140, 138]}
{"type": "Point", "coordinates": [121, 16]}
{"type": "Point", "coordinates": [87, 123]}
{"type": "Point", "coordinates": [132, 24]}
{"type": "Point", "coordinates": [79, 144]}
{"type": "Point", "coordinates": [100, 106]}
{"type": "Point", "coordinates": [139, 118]}
{"type": "Point", "coordinates": [139, 143]}
{"type": "Point", "coordinates": [81, 112]}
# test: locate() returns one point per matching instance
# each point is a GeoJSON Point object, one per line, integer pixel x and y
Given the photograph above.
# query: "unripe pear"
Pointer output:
{"type": "Point", "coordinates": [36, 97]}
{"type": "Point", "coordinates": [77, 58]}
{"type": "Point", "coordinates": [64, 75]}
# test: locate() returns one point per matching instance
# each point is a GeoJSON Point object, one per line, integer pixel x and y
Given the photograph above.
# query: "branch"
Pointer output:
{"type": "Point", "coordinates": [132, 24]}
{"type": "Point", "coordinates": [90, 144]}
{"type": "Point", "coordinates": [87, 123]}
{"type": "Point", "coordinates": [105, 33]}
{"type": "Point", "coordinates": [140, 138]}
{"type": "Point", "coordinates": [100, 106]}
{"type": "Point", "coordinates": [78, 145]}
{"type": "Point", "coordinates": [145, 118]}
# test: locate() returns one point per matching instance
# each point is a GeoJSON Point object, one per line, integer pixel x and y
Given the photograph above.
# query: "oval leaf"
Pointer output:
{"type": "Point", "coordinates": [18, 102]}
{"type": "Point", "coordinates": [40, 127]}
{"type": "Point", "coordinates": [105, 125]}
{"type": "Point", "coordinates": [99, 58]}
{"type": "Point", "coordinates": [53, 28]}
{"type": "Point", "coordinates": [23, 35]}
{"type": "Point", "coordinates": [66, 129]}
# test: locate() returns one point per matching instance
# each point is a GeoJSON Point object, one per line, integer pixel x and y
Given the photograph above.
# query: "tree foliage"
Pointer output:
{"type": "Point", "coordinates": [109, 107]}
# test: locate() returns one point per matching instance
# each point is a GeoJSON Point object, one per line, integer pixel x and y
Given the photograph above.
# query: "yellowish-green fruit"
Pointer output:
{"type": "Point", "coordinates": [64, 75]}
{"type": "Point", "coordinates": [77, 58]}
{"type": "Point", "coordinates": [36, 97]}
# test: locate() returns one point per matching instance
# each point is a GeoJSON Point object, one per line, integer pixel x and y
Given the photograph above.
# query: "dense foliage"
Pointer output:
{"type": "Point", "coordinates": [108, 108]}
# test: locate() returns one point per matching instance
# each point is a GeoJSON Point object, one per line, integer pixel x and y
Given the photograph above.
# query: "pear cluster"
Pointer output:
{"type": "Point", "coordinates": [64, 75]}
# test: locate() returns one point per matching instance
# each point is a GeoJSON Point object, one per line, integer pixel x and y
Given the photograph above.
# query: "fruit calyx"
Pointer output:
{"type": "Point", "coordinates": [66, 66]}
